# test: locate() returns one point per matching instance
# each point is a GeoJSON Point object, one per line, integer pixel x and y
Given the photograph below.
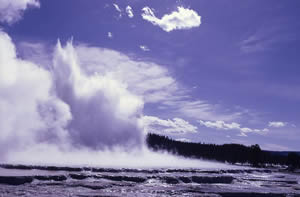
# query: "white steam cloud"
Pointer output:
{"type": "Point", "coordinates": [28, 110]}
{"type": "Point", "coordinates": [104, 112]}
{"type": "Point", "coordinates": [68, 115]}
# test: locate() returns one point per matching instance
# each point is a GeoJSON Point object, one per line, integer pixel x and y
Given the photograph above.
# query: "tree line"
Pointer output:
{"type": "Point", "coordinates": [231, 153]}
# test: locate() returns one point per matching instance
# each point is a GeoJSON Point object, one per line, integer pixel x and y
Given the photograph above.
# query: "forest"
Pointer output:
{"type": "Point", "coordinates": [230, 153]}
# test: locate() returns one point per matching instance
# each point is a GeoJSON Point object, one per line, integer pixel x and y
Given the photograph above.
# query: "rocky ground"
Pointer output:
{"type": "Point", "coordinates": [21, 180]}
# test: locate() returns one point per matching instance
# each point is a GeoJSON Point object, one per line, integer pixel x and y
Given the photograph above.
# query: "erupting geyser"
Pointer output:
{"type": "Point", "coordinates": [66, 114]}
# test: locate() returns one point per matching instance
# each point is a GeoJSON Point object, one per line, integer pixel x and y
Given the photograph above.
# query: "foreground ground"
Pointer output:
{"type": "Point", "coordinates": [90, 182]}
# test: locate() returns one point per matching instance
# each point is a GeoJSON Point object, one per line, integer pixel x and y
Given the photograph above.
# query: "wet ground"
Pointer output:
{"type": "Point", "coordinates": [42, 181]}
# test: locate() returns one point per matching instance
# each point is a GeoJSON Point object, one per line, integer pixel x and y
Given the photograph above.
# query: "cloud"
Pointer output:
{"type": "Point", "coordinates": [275, 147]}
{"type": "Point", "coordinates": [109, 35]}
{"type": "Point", "coordinates": [12, 10]}
{"type": "Point", "coordinates": [183, 140]}
{"type": "Point", "coordinates": [129, 12]}
{"type": "Point", "coordinates": [144, 48]}
{"type": "Point", "coordinates": [221, 125]}
{"type": "Point", "coordinates": [183, 18]}
{"type": "Point", "coordinates": [183, 104]}
{"type": "Point", "coordinates": [148, 80]}
{"type": "Point", "coordinates": [175, 126]}
{"type": "Point", "coordinates": [268, 37]}
{"type": "Point", "coordinates": [277, 124]}
{"type": "Point", "coordinates": [118, 9]}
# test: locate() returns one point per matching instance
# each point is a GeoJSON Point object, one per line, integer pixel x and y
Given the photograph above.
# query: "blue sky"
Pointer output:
{"type": "Point", "coordinates": [217, 72]}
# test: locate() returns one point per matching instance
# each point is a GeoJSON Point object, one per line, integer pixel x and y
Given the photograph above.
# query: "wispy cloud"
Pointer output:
{"type": "Point", "coordinates": [277, 124]}
{"type": "Point", "coordinates": [12, 10]}
{"type": "Point", "coordinates": [198, 109]}
{"type": "Point", "coordinates": [118, 9]}
{"type": "Point", "coordinates": [151, 81]}
{"type": "Point", "coordinates": [221, 125]}
{"type": "Point", "coordinates": [183, 139]}
{"type": "Point", "coordinates": [144, 48]}
{"type": "Point", "coordinates": [129, 12]}
{"type": "Point", "coordinates": [267, 38]}
{"type": "Point", "coordinates": [183, 18]}
{"type": "Point", "coordinates": [175, 126]}
{"type": "Point", "coordinates": [276, 147]}
{"type": "Point", "coordinates": [109, 35]}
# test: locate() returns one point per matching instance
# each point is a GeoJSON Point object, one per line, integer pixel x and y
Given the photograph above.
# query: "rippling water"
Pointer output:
{"type": "Point", "coordinates": [87, 182]}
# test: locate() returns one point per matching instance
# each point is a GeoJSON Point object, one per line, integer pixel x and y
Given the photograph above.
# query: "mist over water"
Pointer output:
{"type": "Point", "coordinates": [67, 116]}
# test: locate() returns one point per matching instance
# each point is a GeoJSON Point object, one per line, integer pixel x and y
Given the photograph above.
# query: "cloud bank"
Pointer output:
{"type": "Point", "coordinates": [12, 10]}
{"type": "Point", "coordinates": [183, 18]}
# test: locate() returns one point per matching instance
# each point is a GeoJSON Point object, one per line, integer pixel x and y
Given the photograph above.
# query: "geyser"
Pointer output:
{"type": "Point", "coordinates": [105, 113]}
{"type": "Point", "coordinates": [69, 114]}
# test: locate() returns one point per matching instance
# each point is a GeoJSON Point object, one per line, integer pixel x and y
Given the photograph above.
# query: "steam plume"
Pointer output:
{"type": "Point", "coordinates": [65, 115]}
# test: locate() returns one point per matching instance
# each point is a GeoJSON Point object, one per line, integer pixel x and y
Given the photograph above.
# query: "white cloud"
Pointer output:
{"type": "Point", "coordinates": [183, 139]}
{"type": "Point", "coordinates": [198, 109]}
{"type": "Point", "coordinates": [175, 126]}
{"type": "Point", "coordinates": [117, 7]}
{"type": "Point", "coordinates": [274, 147]}
{"type": "Point", "coordinates": [277, 124]}
{"type": "Point", "coordinates": [12, 10]}
{"type": "Point", "coordinates": [109, 35]}
{"type": "Point", "coordinates": [129, 12]}
{"type": "Point", "coordinates": [268, 37]}
{"type": "Point", "coordinates": [183, 18]}
{"type": "Point", "coordinates": [149, 80]}
{"type": "Point", "coordinates": [118, 10]}
{"type": "Point", "coordinates": [221, 125]}
{"type": "Point", "coordinates": [144, 48]}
